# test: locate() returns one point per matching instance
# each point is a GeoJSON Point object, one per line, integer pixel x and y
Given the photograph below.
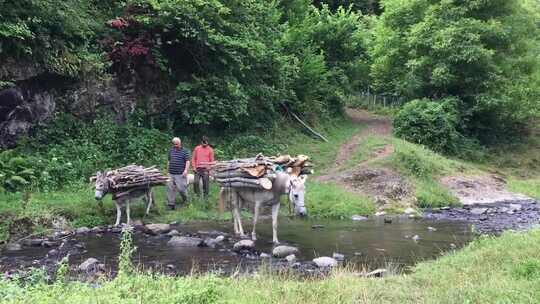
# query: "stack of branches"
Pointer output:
{"type": "Point", "coordinates": [259, 171]}
{"type": "Point", "coordinates": [125, 180]}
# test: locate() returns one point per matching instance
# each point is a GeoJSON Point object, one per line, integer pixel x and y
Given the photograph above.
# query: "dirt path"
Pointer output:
{"type": "Point", "coordinates": [375, 125]}
{"type": "Point", "coordinates": [385, 184]}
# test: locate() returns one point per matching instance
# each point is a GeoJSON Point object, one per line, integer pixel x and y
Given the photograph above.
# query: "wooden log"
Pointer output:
{"type": "Point", "coordinates": [265, 183]}
{"type": "Point", "coordinates": [241, 185]}
{"type": "Point", "coordinates": [231, 174]}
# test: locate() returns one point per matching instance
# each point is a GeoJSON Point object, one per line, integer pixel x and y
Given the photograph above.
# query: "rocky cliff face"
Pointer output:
{"type": "Point", "coordinates": [20, 111]}
{"type": "Point", "coordinates": [33, 97]}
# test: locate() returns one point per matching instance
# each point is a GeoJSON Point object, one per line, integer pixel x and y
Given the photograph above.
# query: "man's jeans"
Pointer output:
{"type": "Point", "coordinates": [201, 173]}
{"type": "Point", "coordinates": [176, 182]}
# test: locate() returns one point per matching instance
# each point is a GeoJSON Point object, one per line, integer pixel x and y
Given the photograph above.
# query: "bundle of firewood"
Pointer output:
{"type": "Point", "coordinates": [258, 171]}
{"type": "Point", "coordinates": [133, 176]}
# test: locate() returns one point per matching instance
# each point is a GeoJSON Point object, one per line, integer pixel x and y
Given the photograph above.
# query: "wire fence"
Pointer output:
{"type": "Point", "coordinates": [371, 100]}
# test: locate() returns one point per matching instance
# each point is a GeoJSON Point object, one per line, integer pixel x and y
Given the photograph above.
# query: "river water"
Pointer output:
{"type": "Point", "coordinates": [365, 244]}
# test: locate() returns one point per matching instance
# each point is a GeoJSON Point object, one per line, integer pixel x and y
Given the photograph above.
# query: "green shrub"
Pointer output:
{"type": "Point", "coordinates": [430, 123]}
{"type": "Point", "coordinates": [16, 172]}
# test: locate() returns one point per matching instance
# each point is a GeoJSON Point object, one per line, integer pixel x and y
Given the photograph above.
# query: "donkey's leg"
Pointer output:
{"type": "Point", "coordinates": [149, 201]}
{"type": "Point", "coordinates": [128, 220]}
{"type": "Point", "coordinates": [239, 222]}
{"type": "Point", "coordinates": [238, 205]}
{"type": "Point", "coordinates": [275, 212]}
{"type": "Point", "coordinates": [255, 218]}
{"type": "Point", "coordinates": [118, 213]}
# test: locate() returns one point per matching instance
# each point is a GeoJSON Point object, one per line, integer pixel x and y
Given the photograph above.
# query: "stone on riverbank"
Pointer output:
{"type": "Point", "coordinates": [173, 232]}
{"type": "Point", "coordinates": [325, 262]}
{"type": "Point", "coordinates": [82, 230]}
{"type": "Point", "coordinates": [184, 241]}
{"type": "Point", "coordinates": [13, 247]}
{"type": "Point", "coordinates": [338, 256]}
{"type": "Point", "coordinates": [478, 211]}
{"type": "Point", "coordinates": [358, 218]}
{"type": "Point", "coordinates": [291, 258]}
{"type": "Point", "coordinates": [33, 242]}
{"type": "Point", "coordinates": [89, 265]}
{"type": "Point", "coordinates": [244, 244]}
{"type": "Point", "coordinates": [283, 251]}
{"type": "Point", "coordinates": [158, 228]}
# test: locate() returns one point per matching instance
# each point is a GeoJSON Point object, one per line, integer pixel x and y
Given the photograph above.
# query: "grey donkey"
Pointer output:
{"type": "Point", "coordinates": [284, 183]}
{"type": "Point", "coordinates": [124, 198]}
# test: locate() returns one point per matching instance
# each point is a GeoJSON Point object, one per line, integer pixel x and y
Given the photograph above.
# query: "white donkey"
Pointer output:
{"type": "Point", "coordinates": [283, 184]}
{"type": "Point", "coordinates": [124, 198]}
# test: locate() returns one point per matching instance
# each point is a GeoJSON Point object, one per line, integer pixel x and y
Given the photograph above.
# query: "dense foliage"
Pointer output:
{"type": "Point", "coordinates": [483, 53]}
{"type": "Point", "coordinates": [224, 67]}
{"type": "Point", "coordinates": [429, 123]}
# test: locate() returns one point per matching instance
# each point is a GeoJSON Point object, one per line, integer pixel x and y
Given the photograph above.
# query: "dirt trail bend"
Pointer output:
{"type": "Point", "coordinates": [374, 125]}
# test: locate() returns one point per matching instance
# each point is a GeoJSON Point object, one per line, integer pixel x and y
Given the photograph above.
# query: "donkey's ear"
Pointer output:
{"type": "Point", "coordinates": [93, 179]}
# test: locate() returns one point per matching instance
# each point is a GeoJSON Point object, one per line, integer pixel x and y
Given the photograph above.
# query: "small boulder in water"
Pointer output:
{"type": "Point", "coordinates": [358, 218]}
{"type": "Point", "coordinates": [244, 244]}
{"type": "Point", "coordinates": [291, 258]}
{"type": "Point", "coordinates": [325, 262]}
{"type": "Point", "coordinates": [49, 244]}
{"type": "Point", "coordinates": [264, 255]}
{"type": "Point", "coordinates": [283, 251]}
{"type": "Point", "coordinates": [380, 213]}
{"type": "Point", "coordinates": [431, 228]}
{"type": "Point", "coordinates": [415, 238]}
{"type": "Point", "coordinates": [478, 211]}
{"type": "Point", "coordinates": [89, 265]}
{"type": "Point", "coordinates": [33, 242]}
{"type": "Point", "coordinates": [387, 220]}
{"type": "Point", "coordinates": [13, 247]}
{"type": "Point", "coordinates": [184, 241]}
{"type": "Point", "coordinates": [338, 256]}
{"type": "Point", "coordinates": [219, 238]}
{"type": "Point", "coordinates": [376, 273]}
{"type": "Point", "coordinates": [409, 211]}
{"type": "Point", "coordinates": [173, 232]}
{"type": "Point", "coordinates": [158, 228]}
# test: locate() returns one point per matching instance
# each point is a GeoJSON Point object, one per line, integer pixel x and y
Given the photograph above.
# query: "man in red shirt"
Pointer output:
{"type": "Point", "coordinates": [203, 157]}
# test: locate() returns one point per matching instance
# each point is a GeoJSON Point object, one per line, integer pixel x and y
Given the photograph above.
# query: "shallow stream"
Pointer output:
{"type": "Point", "coordinates": [367, 244]}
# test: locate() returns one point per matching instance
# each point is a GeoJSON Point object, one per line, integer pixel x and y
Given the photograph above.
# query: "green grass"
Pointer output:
{"type": "Point", "coordinates": [365, 150]}
{"type": "Point", "coordinates": [502, 269]}
{"type": "Point", "coordinates": [530, 187]}
{"type": "Point", "coordinates": [332, 201]}
{"type": "Point", "coordinates": [430, 194]}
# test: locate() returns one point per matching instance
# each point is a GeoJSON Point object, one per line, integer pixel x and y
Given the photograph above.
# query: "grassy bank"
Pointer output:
{"type": "Point", "coordinates": [35, 212]}
{"type": "Point", "coordinates": [505, 269]}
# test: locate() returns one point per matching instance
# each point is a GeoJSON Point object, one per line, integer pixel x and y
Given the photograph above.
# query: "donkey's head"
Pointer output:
{"type": "Point", "coordinates": [102, 185]}
{"type": "Point", "coordinates": [297, 189]}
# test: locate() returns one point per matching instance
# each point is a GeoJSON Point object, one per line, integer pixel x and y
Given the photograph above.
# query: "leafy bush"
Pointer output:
{"type": "Point", "coordinates": [68, 151]}
{"type": "Point", "coordinates": [430, 123]}
{"type": "Point", "coordinates": [15, 172]}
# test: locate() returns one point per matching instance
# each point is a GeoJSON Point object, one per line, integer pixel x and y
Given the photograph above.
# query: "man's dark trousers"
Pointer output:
{"type": "Point", "coordinates": [201, 173]}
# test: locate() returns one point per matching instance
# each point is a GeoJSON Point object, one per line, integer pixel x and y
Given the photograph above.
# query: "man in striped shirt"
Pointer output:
{"type": "Point", "coordinates": [178, 167]}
